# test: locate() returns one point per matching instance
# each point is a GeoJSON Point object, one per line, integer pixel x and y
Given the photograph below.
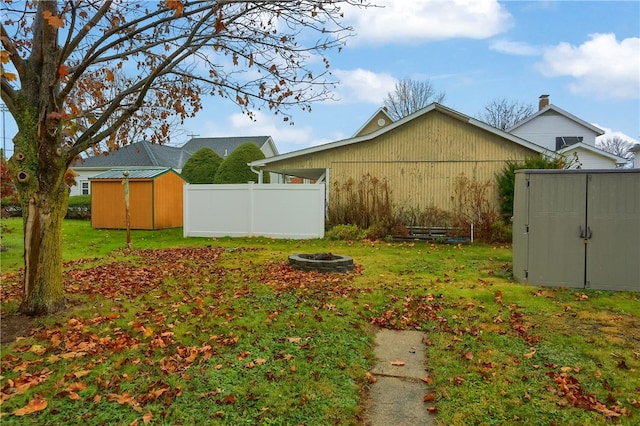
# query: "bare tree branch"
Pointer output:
{"type": "Point", "coordinates": [504, 114]}
{"type": "Point", "coordinates": [410, 96]}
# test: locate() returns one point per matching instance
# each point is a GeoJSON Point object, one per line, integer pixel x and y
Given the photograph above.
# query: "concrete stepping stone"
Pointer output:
{"type": "Point", "coordinates": [397, 395]}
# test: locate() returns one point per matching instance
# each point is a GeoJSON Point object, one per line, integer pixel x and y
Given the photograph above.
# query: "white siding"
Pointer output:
{"type": "Point", "coordinates": [589, 160]}
{"type": "Point", "coordinates": [544, 129]}
{"type": "Point", "coordinates": [83, 176]}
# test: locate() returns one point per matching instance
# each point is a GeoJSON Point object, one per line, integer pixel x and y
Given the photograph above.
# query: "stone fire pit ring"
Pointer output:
{"type": "Point", "coordinates": [322, 262]}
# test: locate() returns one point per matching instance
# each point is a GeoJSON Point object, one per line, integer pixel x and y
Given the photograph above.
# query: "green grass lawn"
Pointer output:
{"type": "Point", "coordinates": [222, 331]}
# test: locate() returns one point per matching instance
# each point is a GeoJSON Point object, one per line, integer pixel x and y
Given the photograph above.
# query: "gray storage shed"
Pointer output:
{"type": "Point", "coordinates": [577, 228]}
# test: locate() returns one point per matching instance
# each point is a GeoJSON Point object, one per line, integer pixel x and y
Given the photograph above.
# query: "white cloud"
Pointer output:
{"type": "Point", "coordinates": [418, 21]}
{"type": "Point", "coordinates": [610, 133]}
{"type": "Point", "coordinates": [601, 65]}
{"type": "Point", "coordinates": [362, 85]}
{"type": "Point", "coordinates": [514, 48]}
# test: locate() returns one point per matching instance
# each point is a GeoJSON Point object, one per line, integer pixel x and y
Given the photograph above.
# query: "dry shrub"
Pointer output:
{"type": "Point", "coordinates": [428, 216]}
{"type": "Point", "coordinates": [366, 204]}
{"type": "Point", "coordinates": [472, 205]}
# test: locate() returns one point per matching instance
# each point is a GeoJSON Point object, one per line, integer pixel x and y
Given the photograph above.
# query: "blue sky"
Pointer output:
{"type": "Point", "coordinates": [584, 54]}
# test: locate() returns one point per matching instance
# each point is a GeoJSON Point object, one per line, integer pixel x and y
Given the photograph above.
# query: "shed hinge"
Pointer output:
{"type": "Point", "coordinates": [587, 284]}
{"type": "Point", "coordinates": [526, 229]}
{"type": "Point", "coordinates": [526, 273]}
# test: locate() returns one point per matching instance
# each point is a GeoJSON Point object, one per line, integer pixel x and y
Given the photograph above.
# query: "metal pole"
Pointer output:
{"type": "Point", "coordinates": [126, 207]}
{"type": "Point", "coordinates": [4, 109]}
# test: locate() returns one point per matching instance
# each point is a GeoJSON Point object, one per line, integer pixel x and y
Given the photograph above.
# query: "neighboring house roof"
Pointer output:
{"type": "Point", "coordinates": [560, 111]}
{"type": "Point", "coordinates": [429, 108]}
{"type": "Point", "coordinates": [147, 155]}
{"type": "Point", "coordinates": [133, 174]}
{"type": "Point", "coordinates": [138, 154]}
{"type": "Point", "coordinates": [379, 119]}
{"type": "Point", "coordinates": [597, 151]}
{"type": "Point", "coordinates": [225, 146]}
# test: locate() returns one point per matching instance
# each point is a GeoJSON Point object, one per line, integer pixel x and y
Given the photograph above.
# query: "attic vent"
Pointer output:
{"type": "Point", "coordinates": [381, 122]}
{"type": "Point", "coordinates": [565, 141]}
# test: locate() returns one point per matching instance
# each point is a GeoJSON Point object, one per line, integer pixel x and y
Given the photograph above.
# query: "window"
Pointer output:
{"type": "Point", "coordinates": [565, 141]}
{"type": "Point", "coordinates": [84, 185]}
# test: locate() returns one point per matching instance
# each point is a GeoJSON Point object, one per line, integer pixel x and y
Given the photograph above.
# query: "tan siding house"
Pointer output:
{"type": "Point", "coordinates": [420, 156]}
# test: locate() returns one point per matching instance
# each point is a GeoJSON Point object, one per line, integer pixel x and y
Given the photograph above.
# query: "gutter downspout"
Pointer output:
{"type": "Point", "coordinates": [258, 172]}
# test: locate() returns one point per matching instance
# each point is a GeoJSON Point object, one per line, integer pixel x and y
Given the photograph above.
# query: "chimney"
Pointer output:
{"type": "Point", "coordinates": [544, 101]}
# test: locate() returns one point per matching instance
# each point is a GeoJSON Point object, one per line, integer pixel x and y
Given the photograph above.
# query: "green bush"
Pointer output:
{"type": "Point", "coordinates": [79, 200]}
{"type": "Point", "coordinates": [506, 178]}
{"type": "Point", "coordinates": [234, 168]}
{"type": "Point", "coordinates": [202, 166]}
{"type": "Point", "coordinates": [344, 232]}
{"type": "Point", "coordinates": [79, 207]}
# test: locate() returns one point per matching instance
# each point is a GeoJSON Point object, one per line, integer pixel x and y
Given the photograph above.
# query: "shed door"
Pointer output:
{"type": "Point", "coordinates": [557, 206]}
{"type": "Point", "coordinates": [613, 208]}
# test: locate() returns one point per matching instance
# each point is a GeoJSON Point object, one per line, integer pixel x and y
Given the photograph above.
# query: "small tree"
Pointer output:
{"type": "Point", "coordinates": [503, 114]}
{"type": "Point", "coordinates": [506, 178]}
{"type": "Point", "coordinates": [202, 166]}
{"type": "Point", "coordinates": [409, 96]}
{"type": "Point", "coordinates": [234, 168]}
{"type": "Point", "coordinates": [617, 146]}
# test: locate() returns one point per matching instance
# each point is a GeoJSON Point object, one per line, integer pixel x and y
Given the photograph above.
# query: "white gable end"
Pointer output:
{"type": "Point", "coordinates": [545, 128]}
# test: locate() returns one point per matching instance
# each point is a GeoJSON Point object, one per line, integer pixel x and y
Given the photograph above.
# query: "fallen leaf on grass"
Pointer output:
{"type": "Point", "coordinates": [81, 373]}
{"type": "Point", "coordinates": [581, 296]}
{"type": "Point", "coordinates": [530, 354]}
{"type": "Point", "coordinates": [371, 377]}
{"type": "Point", "coordinates": [427, 379]}
{"type": "Point", "coordinates": [431, 396]}
{"type": "Point", "coordinates": [125, 398]}
{"type": "Point", "coordinates": [147, 417]}
{"type": "Point", "coordinates": [229, 399]}
{"type": "Point", "coordinates": [36, 404]}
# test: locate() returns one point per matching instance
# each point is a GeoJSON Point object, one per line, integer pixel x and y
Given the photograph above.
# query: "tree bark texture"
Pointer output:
{"type": "Point", "coordinates": [38, 167]}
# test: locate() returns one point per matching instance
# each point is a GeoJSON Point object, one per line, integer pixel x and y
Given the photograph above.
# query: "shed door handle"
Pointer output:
{"type": "Point", "coordinates": [586, 233]}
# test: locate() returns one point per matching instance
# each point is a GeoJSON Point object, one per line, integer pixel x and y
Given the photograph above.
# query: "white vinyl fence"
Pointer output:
{"type": "Point", "coordinates": [268, 210]}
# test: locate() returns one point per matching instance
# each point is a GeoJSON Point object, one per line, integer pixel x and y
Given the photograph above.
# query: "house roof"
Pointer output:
{"type": "Point", "coordinates": [586, 147]}
{"type": "Point", "coordinates": [133, 174]}
{"type": "Point", "coordinates": [138, 154]}
{"type": "Point", "coordinates": [147, 155]}
{"type": "Point", "coordinates": [562, 112]}
{"type": "Point", "coordinates": [224, 146]}
{"type": "Point", "coordinates": [264, 163]}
